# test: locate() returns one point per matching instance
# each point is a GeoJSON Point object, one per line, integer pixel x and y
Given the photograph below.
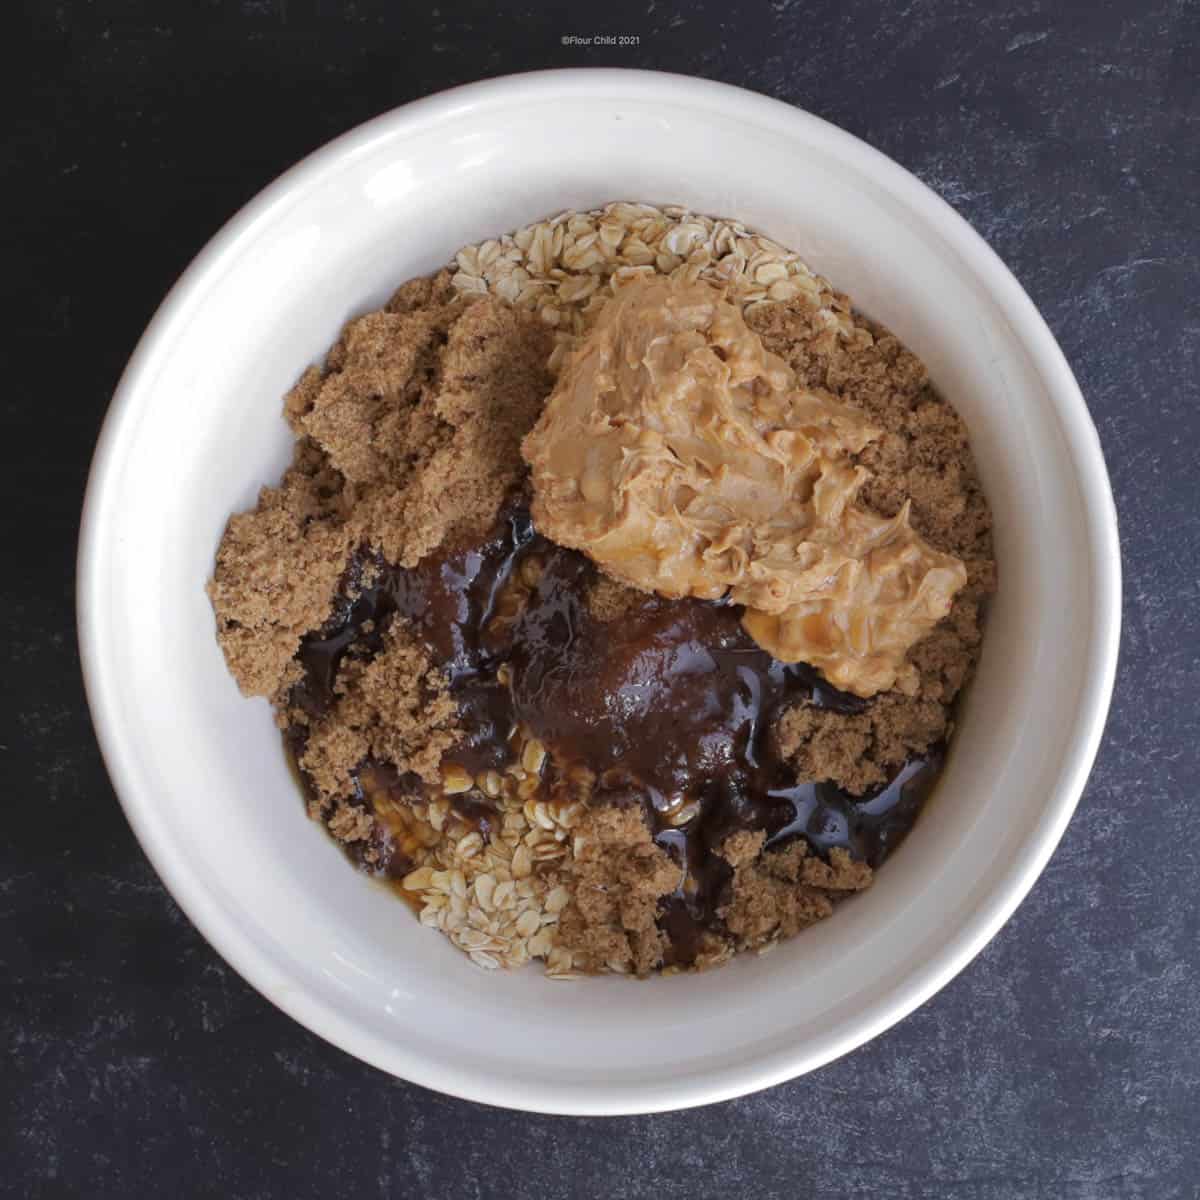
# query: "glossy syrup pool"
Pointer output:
{"type": "Point", "coordinates": [669, 706]}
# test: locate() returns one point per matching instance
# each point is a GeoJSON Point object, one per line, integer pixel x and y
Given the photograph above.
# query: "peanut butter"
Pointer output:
{"type": "Point", "coordinates": [685, 459]}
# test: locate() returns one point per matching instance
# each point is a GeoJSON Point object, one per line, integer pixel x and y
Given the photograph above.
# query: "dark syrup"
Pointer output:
{"type": "Point", "coordinates": [670, 703]}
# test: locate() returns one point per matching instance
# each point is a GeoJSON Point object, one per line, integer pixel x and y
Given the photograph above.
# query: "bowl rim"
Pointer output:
{"type": "Point", "coordinates": [976, 928]}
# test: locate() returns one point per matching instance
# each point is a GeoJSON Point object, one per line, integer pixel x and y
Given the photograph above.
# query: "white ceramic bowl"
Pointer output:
{"type": "Point", "coordinates": [195, 429]}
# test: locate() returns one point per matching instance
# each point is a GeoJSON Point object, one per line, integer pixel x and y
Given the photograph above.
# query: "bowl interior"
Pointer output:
{"type": "Point", "coordinates": [198, 429]}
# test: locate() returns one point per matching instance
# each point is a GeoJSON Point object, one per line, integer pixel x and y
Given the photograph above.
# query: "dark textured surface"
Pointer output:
{"type": "Point", "coordinates": [1062, 1063]}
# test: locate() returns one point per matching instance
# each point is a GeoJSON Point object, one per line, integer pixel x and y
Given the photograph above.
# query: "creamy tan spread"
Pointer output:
{"type": "Point", "coordinates": [685, 459]}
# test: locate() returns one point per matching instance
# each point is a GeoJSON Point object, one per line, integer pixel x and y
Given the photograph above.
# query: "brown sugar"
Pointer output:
{"type": "Point", "coordinates": [619, 876]}
{"type": "Point", "coordinates": [922, 457]}
{"type": "Point", "coordinates": [423, 410]}
{"type": "Point", "coordinates": [276, 572]}
{"type": "Point", "coordinates": [408, 436]}
{"type": "Point", "coordinates": [492, 386]}
{"type": "Point", "coordinates": [393, 709]}
{"type": "Point", "coordinates": [607, 599]}
{"type": "Point", "coordinates": [776, 893]}
{"type": "Point", "coordinates": [351, 824]}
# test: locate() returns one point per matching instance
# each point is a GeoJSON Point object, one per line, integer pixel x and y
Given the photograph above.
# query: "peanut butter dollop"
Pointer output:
{"type": "Point", "coordinates": [685, 459]}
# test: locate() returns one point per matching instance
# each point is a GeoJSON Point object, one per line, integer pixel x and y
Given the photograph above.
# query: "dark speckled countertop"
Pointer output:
{"type": "Point", "coordinates": [1063, 1063]}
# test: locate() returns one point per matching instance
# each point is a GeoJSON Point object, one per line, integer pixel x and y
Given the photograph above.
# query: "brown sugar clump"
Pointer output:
{"type": "Point", "coordinates": [923, 457]}
{"type": "Point", "coordinates": [351, 824]}
{"type": "Point", "coordinates": [365, 411]}
{"type": "Point", "coordinates": [408, 436]}
{"type": "Point", "coordinates": [394, 709]}
{"type": "Point", "coordinates": [422, 292]}
{"type": "Point", "coordinates": [607, 600]}
{"type": "Point", "coordinates": [492, 384]}
{"type": "Point", "coordinates": [618, 877]}
{"type": "Point", "coordinates": [776, 893]}
{"type": "Point", "coordinates": [277, 569]}
{"type": "Point", "coordinates": [422, 409]}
